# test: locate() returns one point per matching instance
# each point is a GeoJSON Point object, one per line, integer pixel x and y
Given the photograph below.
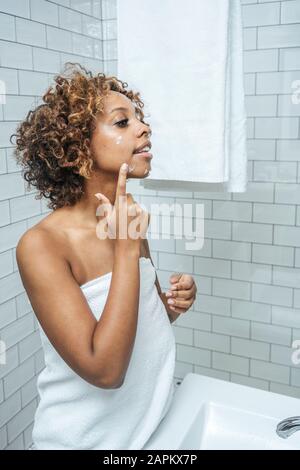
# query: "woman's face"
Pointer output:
{"type": "Point", "coordinates": [117, 135]}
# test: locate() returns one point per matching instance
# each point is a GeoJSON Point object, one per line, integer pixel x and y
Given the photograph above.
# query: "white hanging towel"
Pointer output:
{"type": "Point", "coordinates": [186, 60]}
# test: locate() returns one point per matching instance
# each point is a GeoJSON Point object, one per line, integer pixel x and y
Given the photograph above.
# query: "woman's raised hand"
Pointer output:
{"type": "Point", "coordinates": [123, 218]}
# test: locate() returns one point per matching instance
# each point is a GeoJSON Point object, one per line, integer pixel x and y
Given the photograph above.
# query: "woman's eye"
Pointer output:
{"type": "Point", "coordinates": [123, 120]}
{"type": "Point", "coordinates": [120, 123]}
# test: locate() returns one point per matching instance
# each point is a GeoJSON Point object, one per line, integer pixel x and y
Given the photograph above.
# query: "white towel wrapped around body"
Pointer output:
{"type": "Point", "coordinates": [74, 415]}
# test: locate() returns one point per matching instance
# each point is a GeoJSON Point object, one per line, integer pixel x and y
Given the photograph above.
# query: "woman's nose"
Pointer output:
{"type": "Point", "coordinates": [148, 130]}
{"type": "Point", "coordinates": [145, 129]}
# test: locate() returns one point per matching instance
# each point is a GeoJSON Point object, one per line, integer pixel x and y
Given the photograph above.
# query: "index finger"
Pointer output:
{"type": "Point", "coordinates": [121, 185]}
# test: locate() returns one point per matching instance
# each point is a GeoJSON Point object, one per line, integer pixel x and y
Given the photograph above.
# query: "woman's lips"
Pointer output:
{"type": "Point", "coordinates": [144, 154]}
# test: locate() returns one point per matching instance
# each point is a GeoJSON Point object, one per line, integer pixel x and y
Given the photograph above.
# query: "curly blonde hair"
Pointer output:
{"type": "Point", "coordinates": [53, 142]}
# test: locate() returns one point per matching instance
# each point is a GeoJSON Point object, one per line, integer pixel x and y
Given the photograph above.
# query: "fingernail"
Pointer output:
{"type": "Point", "coordinates": [168, 294]}
{"type": "Point", "coordinates": [173, 287]}
{"type": "Point", "coordinates": [171, 301]}
{"type": "Point", "coordinates": [98, 196]}
{"type": "Point", "coordinates": [124, 167]}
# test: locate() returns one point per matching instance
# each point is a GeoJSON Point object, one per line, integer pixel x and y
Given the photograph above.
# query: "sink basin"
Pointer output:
{"type": "Point", "coordinates": [208, 413]}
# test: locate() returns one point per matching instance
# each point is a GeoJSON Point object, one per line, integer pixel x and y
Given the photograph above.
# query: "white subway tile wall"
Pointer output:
{"type": "Point", "coordinates": [246, 316]}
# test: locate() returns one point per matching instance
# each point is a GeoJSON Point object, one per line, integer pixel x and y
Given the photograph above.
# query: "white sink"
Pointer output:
{"type": "Point", "coordinates": [209, 413]}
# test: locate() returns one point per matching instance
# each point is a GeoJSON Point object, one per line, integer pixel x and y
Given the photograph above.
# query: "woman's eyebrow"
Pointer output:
{"type": "Point", "coordinates": [120, 108]}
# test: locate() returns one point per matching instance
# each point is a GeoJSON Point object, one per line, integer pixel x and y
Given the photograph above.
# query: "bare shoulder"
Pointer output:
{"type": "Point", "coordinates": [36, 241]}
{"type": "Point", "coordinates": [42, 236]}
{"type": "Point", "coordinates": [40, 254]}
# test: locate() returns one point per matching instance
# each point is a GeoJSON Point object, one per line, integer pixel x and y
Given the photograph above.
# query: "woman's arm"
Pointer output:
{"type": "Point", "coordinates": [171, 314]}
{"type": "Point", "coordinates": [98, 351]}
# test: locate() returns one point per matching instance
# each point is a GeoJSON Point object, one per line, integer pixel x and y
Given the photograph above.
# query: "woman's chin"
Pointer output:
{"type": "Point", "coordinates": [147, 172]}
{"type": "Point", "coordinates": [139, 172]}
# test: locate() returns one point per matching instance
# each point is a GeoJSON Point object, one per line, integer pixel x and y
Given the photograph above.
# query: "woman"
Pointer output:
{"type": "Point", "coordinates": [108, 344]}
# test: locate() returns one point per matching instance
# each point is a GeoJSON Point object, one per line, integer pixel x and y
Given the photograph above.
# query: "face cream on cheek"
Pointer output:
{"type": "Point", "coordinates": [119, 139]}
